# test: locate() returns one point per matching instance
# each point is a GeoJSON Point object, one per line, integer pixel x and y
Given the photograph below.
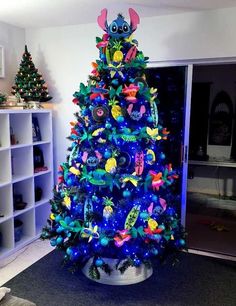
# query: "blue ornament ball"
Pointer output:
{"type": "Point", "coordinates": [98, 99]}
{"type": "Point", "coordinates": [108, 125]}
{"type": "Point", "coordinates": [181, 242]}
{"type": "Point", "coordinates": [149, 157]}
{"type": "Point", "coordinates": [103, 57]}
{"type": "Point", "coordinates": [69, 251]}
{"type": "Point", "coordinates": [162, 155]}
{"type": "Point", "coordinates": [104, 241]}
{"type": "Point", "coordinates": [58, 218]}
{"type": "Point", "coordinates": [53, 242]}
{"type": "Point", "coordinates": [157, 236]}
{"type": "Point", "coordinates": [154, 251]}
{"type": "Point", "coordinates": [75, 198]}
{"type": "Point", "coordinates": [99, 262]}
{"type": "Point", "coordinates": [68, 220]}
{"type": "Point", "coordinates": [154, 198]}
{"type": "Point", "coordinates": [69, 181]}
{"type": "Point", "coordinates": [149, 119]}
{"type": "Point", "coordinates": [126, 193]}
{"type": "Point", "coordinates": [107, 154]}
{"type": "Point", "coordinates": [59, 240]}
{"type": "Point", "coordinates": [115, 82]}
{"type": "Point", "coordinates": [94, 198]}
{"type": "Point", "coordinates": [144, 215]}
{"type": "Point", "coordinates": [120, 119]}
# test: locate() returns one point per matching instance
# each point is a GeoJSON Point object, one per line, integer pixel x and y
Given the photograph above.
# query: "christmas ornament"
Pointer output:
{"type": "Point", "coordinates": [100, 113]}
{"type": "Point", "coordinates": [119, 27]}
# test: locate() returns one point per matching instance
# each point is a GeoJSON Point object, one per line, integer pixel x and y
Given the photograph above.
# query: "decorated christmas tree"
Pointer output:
{"type": "Point", "coordinates": [28, 82]}
{"type": "Point", "coordinates": [113, 207]}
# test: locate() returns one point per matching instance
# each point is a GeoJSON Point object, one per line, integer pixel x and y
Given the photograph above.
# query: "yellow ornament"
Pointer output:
{"type": "Point", "coordinates": [152, 224]}
{"type": "Point", "coordinates": [74, 171]}
{"type": "Point", "coordinates": [98, 132]}
{"type": "Point", "coordinates": [67, 201]}
{"type": "Point", "coordinates": [107, 212]}
{"type": "Point", "coordinates": [118, 56]}
{"type": "Point", "coordinates": [101, 140]}
{"type": "Point", "coordinates": [153, 133]}
{"type": "Point", "coordinates": [116, 111]}
{"type": "Point", "coordinates": [52, 216]}
{"type": "Point", "coordinates": [111, 165]}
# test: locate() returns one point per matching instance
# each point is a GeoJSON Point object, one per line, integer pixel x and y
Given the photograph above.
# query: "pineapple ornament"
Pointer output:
{"type": "Point", "coordinates": [107, 210]}
{"type": "Point", "coordinates": [118, 55]}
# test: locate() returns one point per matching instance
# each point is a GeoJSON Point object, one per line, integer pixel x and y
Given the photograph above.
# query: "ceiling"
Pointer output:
{"type": "Point", "coordinates": [49, 13]}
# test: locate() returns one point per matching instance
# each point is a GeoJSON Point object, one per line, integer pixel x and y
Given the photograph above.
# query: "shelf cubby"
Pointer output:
{"type": "Point", "coordinates": [21, 127]}
{"type": "Point", "coordinates": [42, 213]}
{"type": "Point", "coordinates": [44, 182]}
{"type": "Point", "coordinates": [46, 150]}
{"type": "Point", "coordinates": [28, 227]}
{"type": "Point", "coordinates": [5, 131]}
{"type": "Point", "coordinates": [22, 166]}
{"type": "Point", "coordinates": [44, 120]}
{"type": "Point", "coordinates": [17, 177]}
{"type": "Point", "coordinates": [6, 237]}
{"type": "Point", "coordinates": [6, 208]}
{"type": "Point", "coordinates": [5, 167]}
{"type": "Point", "coordinates": [25, 190]}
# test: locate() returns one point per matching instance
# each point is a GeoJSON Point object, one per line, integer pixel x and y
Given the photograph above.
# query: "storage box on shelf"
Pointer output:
{"type": "Point", "coordinates": [24, 192]}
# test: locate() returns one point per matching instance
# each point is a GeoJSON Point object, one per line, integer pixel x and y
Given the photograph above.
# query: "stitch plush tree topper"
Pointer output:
{"type": "Point", "coordinates": [114, 201]}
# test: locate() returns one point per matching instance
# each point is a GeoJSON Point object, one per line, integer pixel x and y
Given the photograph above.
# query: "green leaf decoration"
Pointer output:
{"type": "Point", "coordinates": [84, 90]}
{"type": "Point", "coordinates": [125, 265]}
{"type": "Point", "coordinates": [115, 92]}
{"type": "Point", "coordinates": [134, 232]}
{"type": "Point", "coordinates": [93, 272]}
{"type": "Point", "coordinates": [108, 56]}
{"type": "Point", "coordinates": [98, 39]}
{"type": "Point", "coordinates": [140, 231]}
{"type": "Point", "coordinates": [106, 268]}
{"type": "Point", "coordinates": [148, 182]}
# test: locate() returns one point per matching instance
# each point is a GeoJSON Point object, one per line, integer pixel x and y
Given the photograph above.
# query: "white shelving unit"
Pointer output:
{"type": "Point", "coordinates": [17, 177]}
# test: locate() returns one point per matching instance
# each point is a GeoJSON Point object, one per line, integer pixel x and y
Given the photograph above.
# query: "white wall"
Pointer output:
{"type": "Point", "coordinates": [13, 40]}
{"type": "Point", "coordinates": [64, 54]}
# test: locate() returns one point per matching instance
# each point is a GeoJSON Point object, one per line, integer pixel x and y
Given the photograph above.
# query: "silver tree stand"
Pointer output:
{"type": "Point", "coordinates": [132, 275]}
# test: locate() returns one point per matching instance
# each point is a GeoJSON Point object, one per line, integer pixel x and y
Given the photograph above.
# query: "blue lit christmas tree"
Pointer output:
{"type": "Point", "coordinates": [114, 198]}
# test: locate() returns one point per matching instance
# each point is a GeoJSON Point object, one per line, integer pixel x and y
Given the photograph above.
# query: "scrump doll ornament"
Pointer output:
{"type": "Point", "coordinates": [113, 210]}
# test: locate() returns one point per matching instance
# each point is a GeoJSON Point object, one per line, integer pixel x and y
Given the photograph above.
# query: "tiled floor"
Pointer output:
{"type": "Point", "coordinates": [23, 259]}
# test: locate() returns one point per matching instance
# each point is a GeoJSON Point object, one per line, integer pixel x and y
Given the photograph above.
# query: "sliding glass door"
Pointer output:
{"type": "Point", "coordinates": [174, 91]}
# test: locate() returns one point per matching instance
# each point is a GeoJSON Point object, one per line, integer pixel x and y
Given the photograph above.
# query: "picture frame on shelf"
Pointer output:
{"type": "Point", "coordinates": [2, 63]}
{"type": "Point", "coordinates": [36, 130]}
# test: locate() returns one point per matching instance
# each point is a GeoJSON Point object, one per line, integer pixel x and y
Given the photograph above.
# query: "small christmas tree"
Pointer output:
{"type": "Point", "coordinates": [3, 98]}
{"type": "Point", "coordinates": [28, 82]}
{"type": "Point", "coordinates": [114, 198]}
